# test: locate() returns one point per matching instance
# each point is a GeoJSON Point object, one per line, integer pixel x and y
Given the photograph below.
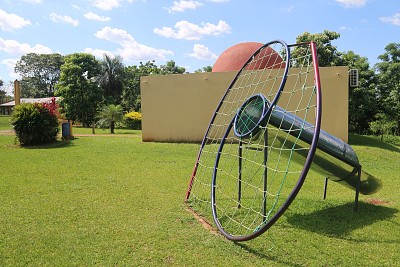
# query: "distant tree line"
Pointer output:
{"type": "Point", "coordinates": [86, 84]}
{"type": "Point", "coordinates": [374, 106]}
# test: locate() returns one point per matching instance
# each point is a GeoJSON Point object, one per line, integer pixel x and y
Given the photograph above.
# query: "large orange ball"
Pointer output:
{"type": "Point", "coordinates": [233, 58]}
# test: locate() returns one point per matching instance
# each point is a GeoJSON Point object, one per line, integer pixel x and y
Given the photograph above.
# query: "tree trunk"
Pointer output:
{"type": "Point", "coordinates": [112, 126]}
{"type": "Point", "coordinates": [398, 127]}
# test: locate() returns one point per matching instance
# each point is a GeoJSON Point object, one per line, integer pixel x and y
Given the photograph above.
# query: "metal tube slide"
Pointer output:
{"type": "Point", "coordinates": [334, 158]}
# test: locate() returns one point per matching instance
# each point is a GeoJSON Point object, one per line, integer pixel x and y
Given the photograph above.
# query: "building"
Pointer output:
{"type": "Point", "coordinates": [6, 108]}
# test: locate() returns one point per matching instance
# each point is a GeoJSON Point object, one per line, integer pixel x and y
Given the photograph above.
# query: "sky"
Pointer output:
{"type": "Point", "coordinates": [192, 33]}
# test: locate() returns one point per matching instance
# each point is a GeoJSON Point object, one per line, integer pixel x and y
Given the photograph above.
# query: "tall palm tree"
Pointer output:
{"type": "Point", "coordinates": [109, 115]}
{"type": "Point", "coordinates": [111, 78]}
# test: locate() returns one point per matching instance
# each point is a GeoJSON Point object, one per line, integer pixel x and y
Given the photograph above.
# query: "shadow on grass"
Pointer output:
{"type": "Point", "coordinates": [276, 259]}
{"type": "Point", "coordinates": [362, 140]}
{"type": "Point", "coordinates": [340, 220]}
{"type": "Point", "coordinates": [58, 144]}
{"type": "Point", "coordinates": [336, 222]}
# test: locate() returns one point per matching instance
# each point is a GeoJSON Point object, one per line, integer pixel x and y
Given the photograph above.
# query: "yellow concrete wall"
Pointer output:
{"type": "Point", "coordinates": [178, 108]}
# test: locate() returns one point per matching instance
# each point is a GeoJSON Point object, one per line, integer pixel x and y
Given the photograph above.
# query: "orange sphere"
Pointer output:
{"type": "Point", "coordinates": [233, 58]}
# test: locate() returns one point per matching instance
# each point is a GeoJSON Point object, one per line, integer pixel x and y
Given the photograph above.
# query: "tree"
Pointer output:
{"type": "Point", "coordinates": [111, 78]}
{"type": "Point", "coordinates": [388, 73]}
{"type": "Point", "coordinates": [363, 104]}
{"type": "Point", "coordinates": [40, 73]}
{"type": "Point", "coordinates": [78, 89]}
{"type": "Point", "coordinates": [109, 115]}
{"type": "Point", "coordinates": [131, 91]}
{"type": "Point", "coordinates": [171, 68]}
{"type": "Point", "coordinates": [3, 93]}
{"type": "Point", "coordinates": [382, 125]}
{"type": "Point", "coordinates": [328, 55]}
{"type": "Point", "coordinates": [204, 69]}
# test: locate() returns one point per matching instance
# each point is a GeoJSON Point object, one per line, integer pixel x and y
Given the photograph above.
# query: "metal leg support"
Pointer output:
{"type": "Point", "coordinates": [357, 190]}
{"type": "Point", "coordinates": [265, 175]}
{"type": "Point", "coordinates": [325, 187]}
{"type": "Point", "coordinates": [240, 173]}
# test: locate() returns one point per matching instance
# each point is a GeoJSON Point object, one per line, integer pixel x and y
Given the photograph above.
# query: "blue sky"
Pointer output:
{"type": "Point", "coordinates": [192, 33]}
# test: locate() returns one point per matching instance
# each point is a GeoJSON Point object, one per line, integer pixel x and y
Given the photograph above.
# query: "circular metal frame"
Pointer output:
{"type": "Point", "coordinates": [243, 134]}
{"type": "Point", "coordinates": [255, 111]}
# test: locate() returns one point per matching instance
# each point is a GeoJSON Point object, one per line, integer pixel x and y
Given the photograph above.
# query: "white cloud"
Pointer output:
{"type": "Point", "coordinates": [202, 52]}
{"type": "Point", "coordinates": [353, 3]}
{"type": "Point", "coordinates": [16, 48]}
{"type": "Point", "coordinates": [10, 22]}
{"type": "Point", "coordinates": [183, 5]}
{"type": "Point", "coordinates": [10, 64]}
{"type": "Point", "coordinates": [93, 16]}
{"type": "Point", "coordinates": [395, 19]}
{"type": "Point", "coordinates": [98, 53]}
{"type": "Point", "coordinates": [130, 49]}
{"type": "Point", "coordinates": [345, 28]}
{"type": "Point", "coordinates": [33, 1]}
{"type": "Point", "coordinates": [287, 9]}
{"type": "Point", "coordinates": [109, 4]}
{"type": "Point", "coordinates": [63, 19]}
{"type": "Point", "coordinates": [189, 31]}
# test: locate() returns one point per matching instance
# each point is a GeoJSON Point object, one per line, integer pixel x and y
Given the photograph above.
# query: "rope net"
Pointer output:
{"type": "Point", "coordinates": [252, 162]}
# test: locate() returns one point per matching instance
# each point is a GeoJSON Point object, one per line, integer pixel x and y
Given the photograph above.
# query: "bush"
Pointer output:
{"type": "Point", "coordinates": [133, 120]}
{"type": "Point", "coordinates": [35, 124]}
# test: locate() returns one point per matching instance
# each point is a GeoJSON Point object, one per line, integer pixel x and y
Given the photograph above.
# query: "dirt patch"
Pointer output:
{"type": "Point", "coordinates": [377, 202]}
{"type": "Point", "coordinates": [7, 132]}
{"type": "Point", "coordinates": [203, 222]}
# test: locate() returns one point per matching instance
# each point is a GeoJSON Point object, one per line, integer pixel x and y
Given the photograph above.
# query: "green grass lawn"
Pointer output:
{"type": "Point", "coordinates": [118, 201]}
{"type": "Point", "coordinates": [5, 123]}
{"type": "Point", "coordinates": [83, 130]}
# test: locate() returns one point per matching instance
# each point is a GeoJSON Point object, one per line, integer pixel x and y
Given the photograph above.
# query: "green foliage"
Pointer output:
{"type": "Point", "coordinates": [389, 82]}
{"type": "Point", "coordinates": [363, 104]}
{"type": "Point", "coordinates": [204, 69]}
{"type": "Point", "coordinates": [133, 120]}
{"type": "Point", "coordinates": [35, 124]}
{"type": "Point", "coordinates": [131, 93]}
{"type": "Point", "coordinates": [81, 95]}
{"type": "Point", "coordinates": [40, 73]}
{"type": "Point", "coordinates": [382, 125]}
{"type": "Point", "coordinates": [171, 68]}
{"type": "Point", "coordinates": [109, 116]}
{"type": "Point", "coordinates": [328, 55]}
{"type": "Point", "coordinates": [111, 78]}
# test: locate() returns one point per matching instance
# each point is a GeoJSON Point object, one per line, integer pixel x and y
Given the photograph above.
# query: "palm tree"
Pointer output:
{"type": "Point", "coordinates": [111, 78]}
{"type": "Point", "coordinates": [109, 115]}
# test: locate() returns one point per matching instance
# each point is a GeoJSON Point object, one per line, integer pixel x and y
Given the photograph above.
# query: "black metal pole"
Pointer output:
{"type": "Point", "coordinates": [357, 190]}
{"type": "Point", "coordinates": [240, 173]}
{"type": "Point", "coordinates": [325, 187]}
{"type": "Point", "coordinates": [265, 175]}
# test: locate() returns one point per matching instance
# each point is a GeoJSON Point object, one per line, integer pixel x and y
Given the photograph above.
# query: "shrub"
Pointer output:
{"type": "Point", "coordinates": [109, 116]}
{"type": "Point", "coordinates": [382, 125]}
{"type": "Point", "coordinates": [35, 124]}
{"type": "Point", "coordinates": [133, 120]}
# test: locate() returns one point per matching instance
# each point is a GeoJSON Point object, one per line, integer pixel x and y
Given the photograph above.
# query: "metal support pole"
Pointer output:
{"type": "Point", "coordinates": [240, 173]}
{"type": "Point", "coordinates": [325, 187]}
{"type": "Point", "coordinates": [357, 190]}
{"type": "Point", "coordinates": [265, 174]}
